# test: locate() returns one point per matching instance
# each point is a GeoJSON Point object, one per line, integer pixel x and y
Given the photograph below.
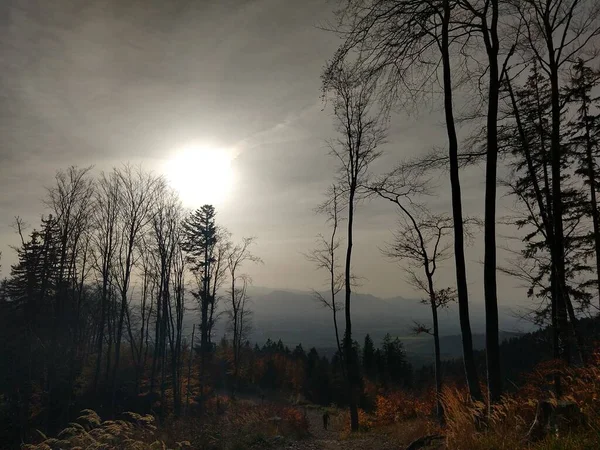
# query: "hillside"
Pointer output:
{"type": "Point", "coordinates": [295, 317]}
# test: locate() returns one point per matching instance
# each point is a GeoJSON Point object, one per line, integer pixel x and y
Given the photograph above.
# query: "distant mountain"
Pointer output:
{"type": "Point", "coordinates": [296, 317]}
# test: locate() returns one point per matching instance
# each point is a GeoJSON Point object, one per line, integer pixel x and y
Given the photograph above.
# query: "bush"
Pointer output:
{"type": "Point", "coordinates": [399, 406]}
{"type": "Point", "coordinates": [135, 432]}
{"type": "Point", "coordinates": [510, 420]}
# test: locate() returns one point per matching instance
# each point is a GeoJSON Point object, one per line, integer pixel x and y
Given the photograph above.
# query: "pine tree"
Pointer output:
{"type": "Point", "coordinates": [525, 137]}
{"type": "Point", "coordinates": [584, 131]}
{"type": "Point", "coordinates": [368, 356]}
{"type": "Point", "coordinates": [397, 368]}
{"type": "Point", "coordinates": [200, 239]}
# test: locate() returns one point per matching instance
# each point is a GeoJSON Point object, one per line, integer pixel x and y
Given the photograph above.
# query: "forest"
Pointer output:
{"type": "Point", "coordinates": [94, 347]}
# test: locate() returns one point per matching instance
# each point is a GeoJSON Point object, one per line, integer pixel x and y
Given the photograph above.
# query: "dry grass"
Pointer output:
{"type": "Point", "coordinates": [509, 422]}
{"type": "Point", "coordinates": [227, 425]}
{"type": "Point", "coordinates": [89, 432]}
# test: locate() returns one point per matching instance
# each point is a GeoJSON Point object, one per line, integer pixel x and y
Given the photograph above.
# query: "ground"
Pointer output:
{"type": "Point", "coordinates": [335, 439]}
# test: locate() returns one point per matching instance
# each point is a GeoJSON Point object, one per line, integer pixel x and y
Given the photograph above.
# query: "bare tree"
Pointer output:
{"type": "Point", "coordinates": [148, 266]}
{"type": "Point", "coordinates": [176, 311]}
{"type": "Point", "coordinates": [135, 212]}
{"type": "Point", "coordinates": [166, 235]}
{"type": "Point", "coordinates": [70, 201]}
{"type": "Point", "coordinates": [219, 275]}
{"type": "Point", "coordinates": [105, 241]}
{"type": "Point", "coordinates": [483, 18]}
{"type": "Point", "coordinates": [237, 310]}
{"type": "Point", "coordinates": [361, 133]}
{"type": "Point", "coordinates": [324, 258]}
{"type": "Point", "coordinates": [240, 325]}
{"type": "Point", "coordinates": [403, 44]}
{"type": "Point", "coordinates": [423, 240]}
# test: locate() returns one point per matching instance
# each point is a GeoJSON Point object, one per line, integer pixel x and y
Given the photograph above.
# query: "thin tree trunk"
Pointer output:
{"type": "Point", "coordinates": [436, 335]}
{"type": "Point", "coordinates": [119, 336]}
{"type": "Point", "coordinates": [157, 336]}
{"type": "Point", "coordinates": [109, 323]}
{"type": "Point", "coordinates": [438, 363]}
{"type": "Point", "coordinates": [351, 369]}
{"type": "Point", "coordinates": [591, 171]}
{"type": "Point", "coordinates": [557, 206]}
{"type": "Point", "coordinates": [100, 342]}
{"type": "Point", "coordinates": [459, 251]}
{"type": "Point", "coordinates": [489, 269]}
{"type": "Point", "coordinates": [187, 395]}
{"type": "Point", "coordinates": [332, 247]}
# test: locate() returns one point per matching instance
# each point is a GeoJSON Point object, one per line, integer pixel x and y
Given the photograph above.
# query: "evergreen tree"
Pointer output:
{"type": "Point", "coordinates": [200, 239]}
{"type": "Point", "coordinates": [584, 131]}
{"type": "Point", "coordinates": [397, 368]}
{"type": "Point", "coordinates": [526, 137]}
{"type": "Point", "coordinates": [368, 356]}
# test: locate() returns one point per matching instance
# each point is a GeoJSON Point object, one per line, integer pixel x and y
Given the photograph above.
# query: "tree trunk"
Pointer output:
{"type": "Point", "coordinates": [335, 326]}
{"type": "Point", "coordinates": [492, 339]}
{"type": "Point", "coordinates": [557, 206]}
{"type": "Point", "coordinates": [119, 336]}
{"type": "Point", "coordinates": [187, 394]}
{"type": "Point", "coordinates": [439, 409]}
{"type": "Point", "coordinates": [591, 170]}
{"type": "Point", "coordinates": [351, 365]}
{"type": "Point", "coordinates": [100, 342]}
{"type": "Point", "coordinates": [459, 251]}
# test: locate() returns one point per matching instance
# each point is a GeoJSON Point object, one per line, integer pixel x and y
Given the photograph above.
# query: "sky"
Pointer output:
{"type": "Point", "coordinates": [105, 82]}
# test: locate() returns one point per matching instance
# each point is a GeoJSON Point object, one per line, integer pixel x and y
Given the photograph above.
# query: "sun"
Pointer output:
{"type": "Point", "coordinates": [201, 174]}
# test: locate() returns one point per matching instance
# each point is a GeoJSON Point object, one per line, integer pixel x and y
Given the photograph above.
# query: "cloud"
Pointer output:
{"type": "Point", "coordinates": [104, 82]}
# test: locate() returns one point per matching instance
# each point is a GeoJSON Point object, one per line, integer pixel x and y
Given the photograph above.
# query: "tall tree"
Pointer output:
{"type": "Point", "coordinates": [70, 201]}
{"type": "Point", "coordinates": [105, 240]}
{"type": "Point", "coordinates": [421, 240]}
{"type": "Point", "coordinates": [238, 311]}
{"type": "Point", "coordinates": [483, 18]}
{"type": "Point", "coordinates": [164, 243]}
{"type": "Point", "coordinates": [584, 133]}
{"type": "Point", "coordinates": [138, 189]}
{"type": "Point", "coordinates": [200, 240]}
{"type": "Point", "coordinates": [526, 135]}
{"type": "Point", "coordinates": [402, 44]}
{"type": "Point", "coordinates": [557, 31]}
{"type": "Point", "coordinates": [361, 133]}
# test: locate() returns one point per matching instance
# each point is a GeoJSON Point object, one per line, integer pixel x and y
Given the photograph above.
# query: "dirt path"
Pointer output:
{"type": "Point", "coordinates": [321, 439]}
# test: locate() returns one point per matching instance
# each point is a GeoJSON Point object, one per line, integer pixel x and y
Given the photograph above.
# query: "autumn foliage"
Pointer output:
{"type": "Point", "coordinates": [511, 419]}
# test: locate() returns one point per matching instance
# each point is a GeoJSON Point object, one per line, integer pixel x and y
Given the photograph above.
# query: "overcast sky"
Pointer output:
{"type": "Point", "coordinates": [110, 81]}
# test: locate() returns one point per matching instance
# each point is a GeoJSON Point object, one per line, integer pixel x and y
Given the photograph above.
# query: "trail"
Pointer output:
{"type": "Point", "coordinates": [321, 439]}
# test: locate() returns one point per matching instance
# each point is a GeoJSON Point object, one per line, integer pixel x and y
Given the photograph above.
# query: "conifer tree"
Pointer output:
{"type": "Point", "coordinates": [584, 133]}
{"type": "Point", "coordinates": [200, 240]}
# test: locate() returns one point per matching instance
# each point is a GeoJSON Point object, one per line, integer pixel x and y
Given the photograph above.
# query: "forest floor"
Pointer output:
{"type": "Point", "coordinates": [334, 438]}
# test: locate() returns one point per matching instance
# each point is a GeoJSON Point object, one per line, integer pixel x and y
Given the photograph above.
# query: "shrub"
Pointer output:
{"type": "Point", "coordinates": [399, 406]}
{"type": "Point", "coordinates": [510, 420]}
{"type": "Point", "coordinates": [89, 432]}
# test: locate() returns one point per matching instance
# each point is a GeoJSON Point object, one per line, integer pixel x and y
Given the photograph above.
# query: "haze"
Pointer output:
{"type": "Point", "coordinates": [107, 82]}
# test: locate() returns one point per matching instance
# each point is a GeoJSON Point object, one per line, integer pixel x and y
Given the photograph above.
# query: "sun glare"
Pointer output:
{"type": "Point", "coordinates": [201, 175]}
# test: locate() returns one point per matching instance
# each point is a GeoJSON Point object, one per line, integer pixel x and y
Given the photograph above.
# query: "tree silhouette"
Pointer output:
{"type": "Point", "coordinates": [200, 240]}
{"type": "Point", "coordinates": [357, 147]}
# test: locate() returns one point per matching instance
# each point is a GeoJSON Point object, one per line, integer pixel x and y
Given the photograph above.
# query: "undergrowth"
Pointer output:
{"type": "Point", "coordinates": [226, 425]}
